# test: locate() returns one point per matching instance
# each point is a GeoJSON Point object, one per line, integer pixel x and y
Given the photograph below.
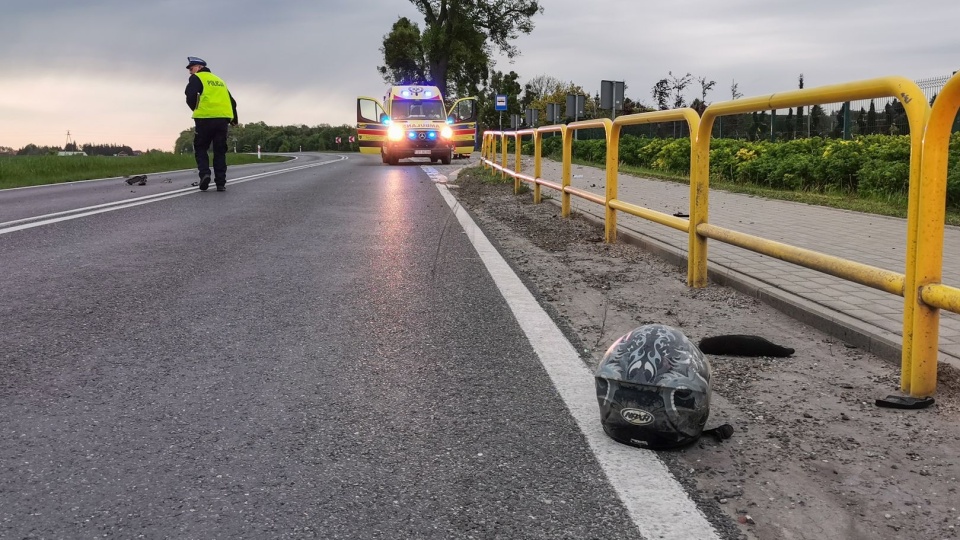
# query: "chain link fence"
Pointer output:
{"type": "Point", "coordinates": [884, 116]}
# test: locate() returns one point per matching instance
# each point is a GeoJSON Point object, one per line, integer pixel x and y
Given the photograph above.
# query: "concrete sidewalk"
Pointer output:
{"type": "Point", "coordinates": [860, 315]}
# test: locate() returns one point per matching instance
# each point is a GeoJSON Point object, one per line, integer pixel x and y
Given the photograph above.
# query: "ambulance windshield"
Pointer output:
{"type": "Point", "coordinates": [416, 110]}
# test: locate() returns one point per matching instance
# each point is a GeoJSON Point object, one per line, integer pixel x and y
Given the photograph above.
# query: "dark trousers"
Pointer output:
{"type": "Point", "coordinates": [211, 131]}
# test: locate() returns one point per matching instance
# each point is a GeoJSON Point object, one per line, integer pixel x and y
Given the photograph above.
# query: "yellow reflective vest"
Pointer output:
{"type": "Point", "coordinates": [214, 101]}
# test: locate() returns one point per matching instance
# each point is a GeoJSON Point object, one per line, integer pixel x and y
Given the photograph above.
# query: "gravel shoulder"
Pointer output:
{"type": "Point", "coordinates": [812, 456]}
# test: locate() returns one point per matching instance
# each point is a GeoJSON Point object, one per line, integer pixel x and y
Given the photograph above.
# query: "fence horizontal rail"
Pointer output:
{"type": "Point", "coordinates": [871, 276]}
{"type": "Point", "coordinates": [918, 284]}
{"type": "Point", "coordinates": [673, 222]}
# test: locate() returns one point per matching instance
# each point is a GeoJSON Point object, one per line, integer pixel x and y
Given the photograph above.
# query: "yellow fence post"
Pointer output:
{"type": "Point", "coordinates": [919, 285]}
{"type": "Point", "coordinates": [930, 227]}
{"type": "Point", "coordinates": [917, 110]}
{"type": "Point", "coordinates": [918, 113]}
{"type": "Point", "coordinates": [484, 147]}
{"type": "Point", "coordinates": [517, 137]}
{"type": "Point", "coordinates": [699, 200]}
{"type": "Point", "coordinates": [567, 160]}
{"type": "Point", "coordinates": [537, 164]}
{"type": "Point", "coordinates": [491, 146]}
{"type": "Point", "coordinates": [503, 160]}
{"type": "Point", "coordinates": [610, 191]}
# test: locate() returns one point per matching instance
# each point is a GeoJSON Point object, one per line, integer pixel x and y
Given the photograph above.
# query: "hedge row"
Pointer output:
{"type": "Point", "coordinates": [872, 165]}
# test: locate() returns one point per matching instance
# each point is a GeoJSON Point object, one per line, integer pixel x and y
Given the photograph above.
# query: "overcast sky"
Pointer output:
{"type": "Point", "coordinates": [112, 71]}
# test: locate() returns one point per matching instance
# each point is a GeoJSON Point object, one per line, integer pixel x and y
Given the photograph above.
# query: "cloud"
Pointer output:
{"type": "Point", "coordinates": [113, 71]}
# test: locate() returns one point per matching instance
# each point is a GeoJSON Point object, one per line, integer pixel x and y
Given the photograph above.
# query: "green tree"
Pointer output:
{"type": "Point", "coordinates": [544, 89]}
{"type": "Point", "coordinates": [731, 125]}
{"type": "Point", "coordinates": [403, 54]}
{"type": "Point", "coordinates": [862, 122]}
{"type": "Point", "coordinates": [872, 119]}
{"type": "Point", "coordinates": [700, 104]}
{"type": "Point", "coordinates": [454, 49]}
{"type": "Point", "coordinates": [837, 131]}
{"type": "Point", "coordinates": [677, 86]}
{"type": "Point", "coordinates": [661, 94]}
{"type": "Point", "coordinates": [500, 83]}
{"type": "Point", "coordinates": [801, 130]}
{"type": "Point", "coordinates": [817, 116]}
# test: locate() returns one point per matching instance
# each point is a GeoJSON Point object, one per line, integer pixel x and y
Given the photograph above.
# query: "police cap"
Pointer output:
{"type": "Point", "coordinates": [193, 61]}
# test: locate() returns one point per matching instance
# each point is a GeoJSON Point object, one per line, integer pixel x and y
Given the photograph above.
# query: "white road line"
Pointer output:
{"type": "Point", "coordinates": [56, 217]}
{"type": "Point", "coordinates": [294, 158]}
{"type": "Point", "coordinates": [434, 174]}
{"type": "Point", "coordinates": [659, 506]}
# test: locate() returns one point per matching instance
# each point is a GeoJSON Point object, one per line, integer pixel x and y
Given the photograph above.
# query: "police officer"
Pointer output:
{"type": "Point", "coordinates": [213, 108]}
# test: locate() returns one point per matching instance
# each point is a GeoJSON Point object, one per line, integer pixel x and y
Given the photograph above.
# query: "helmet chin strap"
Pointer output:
{"type": "Point", "coordinates": [721, 432]}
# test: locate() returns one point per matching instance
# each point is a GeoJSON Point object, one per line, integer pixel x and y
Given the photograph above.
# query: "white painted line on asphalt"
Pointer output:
{"type": "Point", "coordinates": [434, 174]}
{"type": "Point", "coordinates": [66, 215]}
{"type": "Point", "coordinates": [75, 182]}
{"type": "Point", "coordinates": [659, 506]}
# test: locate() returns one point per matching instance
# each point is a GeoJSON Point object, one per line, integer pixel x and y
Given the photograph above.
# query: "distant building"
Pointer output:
{"type": "Point", "coordinates": [65, 153]}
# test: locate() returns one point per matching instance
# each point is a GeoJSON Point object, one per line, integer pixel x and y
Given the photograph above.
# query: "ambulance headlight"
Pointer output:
{"type": "Point", "coordinates": [446, 132]}
{"type": "Point", "coordinates": [395, 132]}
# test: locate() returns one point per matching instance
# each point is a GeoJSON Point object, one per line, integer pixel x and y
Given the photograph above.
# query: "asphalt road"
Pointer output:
{"type": "Point", "coordinates": [317, 353]}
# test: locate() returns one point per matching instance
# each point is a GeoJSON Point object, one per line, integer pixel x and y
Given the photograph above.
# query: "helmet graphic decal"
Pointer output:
{"type": "Point", "coordinates": [658, 384]}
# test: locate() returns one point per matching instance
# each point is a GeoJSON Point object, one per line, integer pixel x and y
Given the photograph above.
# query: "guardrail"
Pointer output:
{"type": "Point", "coordinates": [925, 215]}
{"type": "Point", "coordinates": [932, 295]}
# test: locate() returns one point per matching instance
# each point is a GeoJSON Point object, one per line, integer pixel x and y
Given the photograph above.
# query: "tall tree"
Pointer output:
{"type": "Point", "coordinates": [700, 104]}
{"type": "Point", "coordinates": [800, 127]}
{"type": "Point", "coordinates": [661, 94]}
{"type": "Point", "coordinates": [817, 116]}
{"type": "Point", "coordinates": [540, 86]}
{"type": "Point", "coordinates": [734, 122]}
{"type": "Point", "coordinates": [735, 92]}
{"type": "Point", "coordinates": [677, 86]}
{"type": "Point", "coordinates": [500, 83]}
{"type": "Point", "coordinates": [544, 89]}
{"type": "Point", "coordinates": [457, 41]}
{"type": "Point", "coordinates": [872, 119]}
{"type": "Point", "coordinates": [403, 54]}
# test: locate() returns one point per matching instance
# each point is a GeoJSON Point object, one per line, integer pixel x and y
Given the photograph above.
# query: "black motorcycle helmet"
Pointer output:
{"type": "Point", "coordinates": [653, 386]}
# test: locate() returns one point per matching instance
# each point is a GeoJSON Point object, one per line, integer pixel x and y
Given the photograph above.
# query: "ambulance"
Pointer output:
{"type": "Point", "coordinates": [412, 121]}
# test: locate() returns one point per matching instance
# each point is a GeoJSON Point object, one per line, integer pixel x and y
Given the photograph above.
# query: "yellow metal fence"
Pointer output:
{"type": "Point", "coordinates": [929, 143]}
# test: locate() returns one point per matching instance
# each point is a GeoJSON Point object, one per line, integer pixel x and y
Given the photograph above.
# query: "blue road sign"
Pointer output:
{"type": "Point", "coordinates": [501, 104]}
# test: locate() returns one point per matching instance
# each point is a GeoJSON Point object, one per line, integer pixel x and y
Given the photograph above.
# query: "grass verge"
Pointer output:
{"type": "Point", "coordinates": [22, 171]}
{"type": "Point", "coordinates": [892, 205]}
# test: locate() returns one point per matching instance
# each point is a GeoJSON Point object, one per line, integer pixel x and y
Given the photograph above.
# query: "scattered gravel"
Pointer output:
{"type": "Point", "coordinates": [812, 456]}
